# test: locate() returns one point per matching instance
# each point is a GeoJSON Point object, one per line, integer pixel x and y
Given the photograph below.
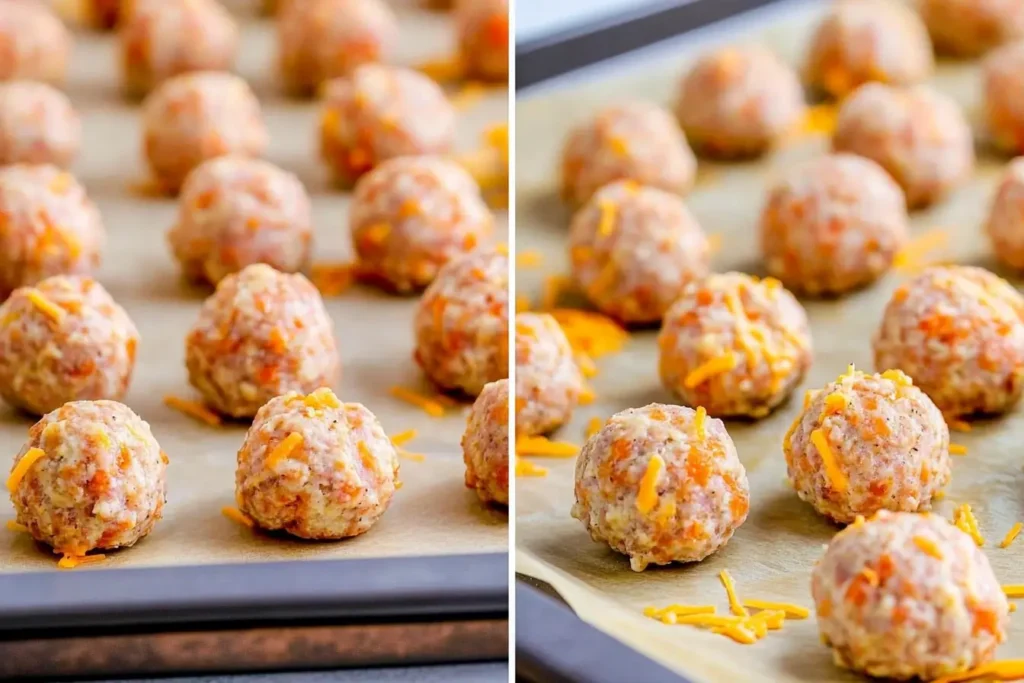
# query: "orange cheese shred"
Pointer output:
{"type": "Point", "coordinates": [647, 494]}
{"type": "Point", "coordinates": [16, 528]}
{"type": "Point", "coordinates": [530, 258]}
{"type": "Point", "coordinates": [522, 303]}
{"type": "Point", "coordinates": [1013, 607]}
{"type": "Point", "coordinates": [45, 306]}
{"type": "Point", "coordinates": [790, 610]}
{"type": "Point", "coordinates": [403, 438]}
{"type": "Point", "coordinates": [678, 610]}
{"type": "Point", "coordinates": [430, 406]}
{"type": "Point", "coordinates": [525, 468]}
{"type": "Point", "coordinates": [1005, 670]}
{"type": "Point", "coordinates": [542, 446]}
{"type": "Point", "coordinates": [928, 547]}
{"type": "Point", "coordinates": [586, 365]}
{"type": "Point", "coordinates": [1011, 535]}
{"type": "Point", "coordinates": [735, 606]}
{"type": "Point", "coordinates": [738, 632]}
{"type": "Point", "coordinates": [835, 403]}
{"type": "Point", "coordinates": [709, 369]}
{"type": "Point", "coordinates": [442, 70]}
{"type": "Point", "coordinates": [331, 279]}
{"type": "Point", "coordinates": [193, 409]}
{"type": "Point", "coordinates": [236, 515]}
{"type": "Point", "coordinates": [587, 396]}
{"type": "Point", "coordinates": [283, 449]}
{"type": "Point", "coordinates": [912, 256]}
{"type": "Point", "coordinates": [957, 449]}
{"type": "Point", "coordinates": [409, 455]}
{"type": "Point", "coordinates": [964, 519]}
{"type": "Point", "coordinates": [828, 459]}
{"type": "Point", "coordinates": [594, 426]}
{"type": "Point", "coordinates": [1014, 590]}
{"type": "Point", "coordinates": [609, 213]}
{"type": "Point", "coordinates": [26, 462]}
{"type": "Point", "coordinates": [699, 420]}
{"type": "Point", "coordinates": [958, 425]}
{"type": "Point", "coordinates": [72, 561]}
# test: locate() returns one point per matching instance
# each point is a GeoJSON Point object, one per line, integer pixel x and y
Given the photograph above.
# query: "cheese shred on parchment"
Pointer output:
{"type": "Point", "coordinates": [964, 519]}
{"type": "Point", "coordinates": [594, 426]}
{"type": "Point", "coordinates": [957, 449]}
{"type": "Point", "coordinates": [72, 561]}
{"type": "Point", "coordinates": [790, 610]}
{"type": "Point", "coordinates": [236, 515]}
{"type": "Point", "coordinates": [193, 409]}
{"type": "Point", "coordinates": [1014, 590]}
{"type": "Point", "coordinates": [1005, 670]}
{"type": "Point", "coordinates": [730, 591]}
{"type": "Point", "coordinates": [24, 465]}
{"type": "Point", "coordinates": [1011, 535]}
{"type": "Point", "coordinates": [525, 468]}
{"type": "Point", "coordinates": [430, 406]}
{"type": "Point", "coordinates": [403, 438]}
{"type": "Point", "coordinates": [541, 446]}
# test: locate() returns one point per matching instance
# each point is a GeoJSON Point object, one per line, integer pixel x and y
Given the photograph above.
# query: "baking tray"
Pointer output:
{"type": "Point", "coordinates": [771, 554]}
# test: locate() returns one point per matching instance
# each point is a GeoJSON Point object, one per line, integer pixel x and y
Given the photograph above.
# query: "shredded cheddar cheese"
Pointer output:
{"type": "Point", "coordinates": [236, 515]}
{"type": "Point", "coordinates": [525, 468]}
{"type": "Point", "coordinates": [609, 214]}
{"type": "Point", "coordinates": [957, 449]}
{"type": "Point", "coordinates": [730, 591]}
{"type": "Point", "coordinates": [958, 425]}
{"type": "Point", "coordinates": [586, 365]}
{"type": "Point", "coordinates": [469, 95]}
{"type": "Point", "coordinates": [699, 420]}
{"type": "Point", "coordinates": [554, 287]}
{"type": "Point", "coordinates": [709, 369]}
{"type": "Point", "coordinates": [928, 547]}
{"type": "Point", "coordinates": [72, 561]}
{"type": "Point", "coordinates": [964, 519]}
{"type": "Point", "coordinates": [819, 119]}
{"type": "Point", "coordinates": [1011, 535]}
{"type": "Point", "coordinates": [594, 426]}
{"type": "Point", "coordinates": [26, 462]}
{"type": "Point", "coordinates": [587, 396]}
{"type": "Point", "coordinates": [331, 279]}
{"type": "Point", "coordinates": [835, 403]}
{"type": "Point", "coordinates": [738, 632]}
{"type": "Point", "coordinates": [590, 333]}
{"type": "Point", "coordinates": [678, 610]}
{"type": "Point", "coordinates": [193, 410]}
{"type": "Point", "coordinates": [1014, 590]}
{"type": "Point", "coordinates": [542, 446]}
{"type": "Point", "coordinates": [409, 455]}
{"type": "Point", "coordinates": [1013, 607]}
{"type": "Point", "coordinates": [647, 495]}
{"type": "Point", "coordinates": [283, 449]}
{"type": "Point", "coordinates": [522, 303]}
{"type": "Point", "coordinates": [16, 528]}
{"type": "Point", "coordinates": [790, 610]}
{"type": "Point", "coordinates": [428, 405]}
{"type": "Point", "coordinates": [403, 438]}
{"type": "Point", "coordinates": [1003, 670]}
{"type": "Point", "coordinates": [912, 256]}
{"type": "Point", "coordinates": [828, 460]}
{"type": "Point", "coordinates": [45, 306]}
{"type": "Point", "coordinates": [442, 70]}
{"type": "Point", "coordinates": [529, 259]}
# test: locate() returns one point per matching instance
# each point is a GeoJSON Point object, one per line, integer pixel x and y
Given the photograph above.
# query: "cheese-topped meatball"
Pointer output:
{"type": "Point", "coordinates": [485, 444]}
{"type": "Point", "coordinates": [34, 45]}
{"type": "Point", "coordinates": [483, 30]}
{"type": "Point", "coordinates": [1005, 225]}
{"type": "Point", "coordinates": [38, 125]}
{"type": "Point", "coordinates": [1003, 79]}
{"type": "Point", "coordinates": [548, 380]}
{"type": "Point", "coordinates": [969, 28]}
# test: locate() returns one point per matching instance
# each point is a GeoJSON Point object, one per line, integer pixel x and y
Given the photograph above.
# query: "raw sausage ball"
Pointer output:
{"type": "Point", "coordinates": [160, 39]}
{"type": "Point", "coordinates": [412, 215]}
{"type": "Point", "coordinates": [661, 484]}
{"type": "Point", "coordinates": [632, 141]}
{"type": "Point", "coordinates": [38, 125]}
{"type": "Point", "coordinates": [48, 226]}
{"type": "Point", "coordinates": [64, 340]}
{"type": "Point", "coordinates": [1003, 78]}
{"type": "Point", "coordinates": [917, 134]}
{"type": "Point", "coordinates": [382, 112]}
{"type": "Point", "coordinates": [633, 250]}
{"type": "Point", "coordinates": [194, 117]}
{"type": "Point", "coordinates": [236, 211]}
{"type": "Point", "coordinates": [868, 40]}
{"type": "Point", "coordinates": [34, 45]}
{"type": "Point", "coordinates": [957, 331]}
{"type": "Point", "coordinates": [833, 224]}
{"type": "Point", "coordinates": [735, 345]}
{"type": "Point", "coordinates": [738, 102]}
{"type": "Point", "coordinates": [866, 443]}
{"type": "Point", "coordinates": [485, 444]}
{"type": "Point", "coordinates": [969, 28]}
{"type": "Point", "coordinates": [461, 323]}
{"type": "Point", "coordinates": [1005, 225]}
{"type": "Point", "coordinates": [908, 596]}
{"type": "Point", "coordinates": [316, 467]}
{"type": "Point", "coordinates": [482, 27]}
{"type": "Point", "coordinates": [548, 380]}
{"type": "Point", "coordinates": [260, 335]}
{"type": "Point", "coordinates": [94, 478]}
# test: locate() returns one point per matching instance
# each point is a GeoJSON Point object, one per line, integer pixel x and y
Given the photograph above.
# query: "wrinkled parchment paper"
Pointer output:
{"type": "Point", "coordinates": [771, 555]}
{"type": "Point", "coordinates": [433, 513]}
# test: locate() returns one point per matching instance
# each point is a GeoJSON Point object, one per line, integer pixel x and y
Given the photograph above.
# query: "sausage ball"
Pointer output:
{"type": "Point", "coordinates": [957, 331]}
{"type": "Point", "coordinates": [738, 102]}
{"type": "Point", "coordinates": [194, 117]}
{"type": "Point", "coordinates": [917, 134]}
{"type": "Point", "coordinates": [38, 125]}
{"type": "Point", "coordinates": [260, 335]}
{"type": "Point", "coordinates": [482, 27]}
{"type": "Point", "coordinates": [461, 323]}
{"type": "Point", "coordinates": [908, 596]}
{"type": "Point", "coordinates": [632, 141]}
{"type": "Point", "coordinates": [661, 484]}
{"type": "Point", "coordinates": [1005, 225]}
{"type": "Point", "coordinates": [548, 380]}
{"type": "Point", "coordinates": [866, 443]}
{"type": "Point", "coordinates": [633, 250]}
{"type": "Point", "coordinates": [323, 39]}
{"type": "Point", "coordinates": [860, 41]}
{"type": "Point", "coordinates": [236, 211]}
{"type": "Point", "coordinates": [833, 224]}
{"type": "Point", "coordinates": [485, 444]}
{"type": "Point", "coordinates": [91, 477]}
{"type": "Point", "coordinates": [412, 215]}
{"type": "Point", "coordinates": [315, 467]}
{"type": "Point", "coordinates": [379, 113]}
{"type": "Point", "coordinates": [970, 28]}
{"type": "Point", "coordinates": [34, 45]}
{"type": "Point", "coordinates": [735, 345]}
{"type": "Point", "coordinates": [48, 226]}
{"type": "Point", "coordinates": [1003, 79]}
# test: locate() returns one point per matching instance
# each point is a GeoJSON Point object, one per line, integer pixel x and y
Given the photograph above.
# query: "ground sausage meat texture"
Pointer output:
{"type": "Point", "coordinates": [38, 125]}
{"type": "Point", "coordinates": [548, 380]}
{"type": "Point", "coordinates": [485, 444]}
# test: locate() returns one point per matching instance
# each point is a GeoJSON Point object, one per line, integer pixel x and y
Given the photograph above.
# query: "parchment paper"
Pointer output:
{"type": "Point", "coordinates": [433, 513]}
{"type": "Point", "coordinates": [771, 555]}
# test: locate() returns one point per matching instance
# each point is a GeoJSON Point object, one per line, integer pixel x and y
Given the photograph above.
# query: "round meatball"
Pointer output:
{"type": "Point", "coordinates": [833, 224]}
{"type": "Point", "coordinates": [958, 332]}
{"type": "Point", "coordinates": [917, 134]}
{"type": "Point", "coordinates": [861, 41]}
{"type": "Point", "coordinates": [482, 27]}
{"type": "Point", "coordinates": [969, 28]}
{"type": "Point", "coordinates": [1005, 225]}
{"type": "Point", "coordinates": [94, 478]}
{"type": "Point", "coordinates": [548, 380]}
{"type": "Point", "coordinates": [908, 596]}
{"type": "Point", "coordinates": [48, 226]}
{"type": "Point", "coordinates": [315, 467]}
{"type": "Point", "coordinates": [661, 484]}
{"type": "Point", "coordinates": [1003, 79]}
{"type": "Point", "coordinates": [382, 112]}
{"type": "Point", "coordinates": [412, 215]}
{"type": "Point", "coordinates": [866, 443]}
{"type": "Point", "coordinates": [632, 141]}
{"type": "Point", "coordinates": [735, 345]}
{"type": "Point", "coordinates": [485, 444]}
{"type": "Point", "coordinates": [198, 116]}
{"type": "Point", "coordinates": [34, 45]}
{"type": "Point", "coordinates": [738, 102]}
{"type": "Point", "coordinates": [38, 125]}
{"type": "Point", "coordinates": [461, 323]}
{"type": "Point", "coordinates": [634, 249]}
{"type": "Point", "coordinates": [323, 39]}
{"type": "Point", "coordinates": [236, 211]}
{"type": "Point", "coordinates": [260, 335]}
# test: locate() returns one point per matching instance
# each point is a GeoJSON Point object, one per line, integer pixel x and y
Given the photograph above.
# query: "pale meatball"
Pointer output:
{"type": "Point", "coordinates": [548, 380]}
{"type": "Point", "coordinates": [917, 134]}
{"type": "Point", "coordinates": [323, 39]}
{"type": "Point", "coordinates": [1005, 225]}
{"type": "Point", "coordinates": [34, 45]}
{"type": "Point", "coordinates": [632, 141]}
{"type": "Point", "coordinates": [461, 323]}
{"type": "Point", "coordinates": [260, 335]}
{"type": "Point", "coordinates": [483, 30]}
{"type": "Point", "coordinates": [38, 125]}
{"type": "Point", "coordinates": [738, 102]}
{"type": "Point", "coordinates": [969, 28]}
{"type": "Point", "coordinates": [91, 477]}
{"type": "Point", "coordinates": [379, 113]}
{"type": "Point", "coordinates": [160, 39]}
{"type": "Point", "coordinates": [633, 250]}
{"type": "Point", "coordinates": [236, 211]}
{"type": "Point", "coordinates": [957, 331]}
{"type": "Point", "coordinates": [661, 484]}
{"type": "Point", "coordinates": [833, 224]}
{"type": "Point", "coordinates": [194, 117]}
{"type": "Point", "coordinates": [64, 340]}
{"type": "Point", "coordinates": [1003, 79]}
{"type": "Point", "coordinates": [860, 41]}
{"type": "Point", "coordinates": [412, 215]}
{"type": "Point", "coordinates": [315, 467]}
{"type": "Point", "coordinates": [735, 345]}
{"type": "Point", "coordinates": [908, 596]}
{"type": "Point", "coordinates": [866, 443]}
{"type": "Point", "coordinates": [48, 226]}
{"type": "Point", "coordinates": [485, 444]}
